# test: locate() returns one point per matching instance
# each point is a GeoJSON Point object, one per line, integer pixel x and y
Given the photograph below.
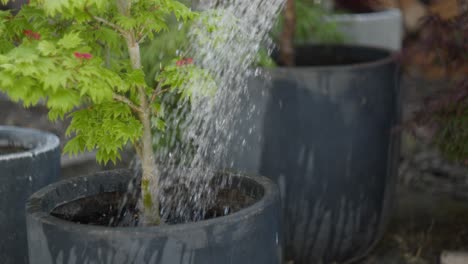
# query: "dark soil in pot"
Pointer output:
{"type": "Point", "coordinates": [327, 55]}
{"type": "Point", "coordinates": [4, 150]}
{"type": "Point", "coordinates": [357, 6]}
{"type": "Point", "coordinates": [104, 208]}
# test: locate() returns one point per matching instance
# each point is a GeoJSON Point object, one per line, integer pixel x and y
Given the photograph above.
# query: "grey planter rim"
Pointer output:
{"type": "Point", "coordinates": [387, 59]}
{"type": "Point", "coordinates": [376, 15]}
{"type": "Point", "coordinates": [269, 196]}
{"type": "Point", "coordinates": [47, 142]}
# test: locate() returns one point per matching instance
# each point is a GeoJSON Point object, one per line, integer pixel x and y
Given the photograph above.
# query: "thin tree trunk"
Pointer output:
{"type": "Point", "coordinates": [150, 177]}
{"type": "Point", "coordinates": [149, 201]}
{"type": "Point", "coordinates": [287, 55]}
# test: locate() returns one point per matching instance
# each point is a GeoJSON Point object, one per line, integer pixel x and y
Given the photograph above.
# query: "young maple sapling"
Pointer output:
{"type": "Point", "coordinates": [83, 59]}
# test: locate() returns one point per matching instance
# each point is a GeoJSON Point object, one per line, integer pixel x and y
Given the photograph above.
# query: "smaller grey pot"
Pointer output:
{"type": "Point", "coordinates": [251, 235]}
{"type": "Point", "coordinates": [21, 174]}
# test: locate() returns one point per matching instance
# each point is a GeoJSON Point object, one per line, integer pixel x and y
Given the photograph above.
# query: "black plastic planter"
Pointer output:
{"type": "Point", "coordinates": [251, 235]}
{"type": "Point", "coordinates": [29, 160]}
{"type": "Point", "coordinates": [325, 135]}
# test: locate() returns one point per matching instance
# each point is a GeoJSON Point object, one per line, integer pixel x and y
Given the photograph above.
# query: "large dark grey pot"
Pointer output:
{"type": "Point", "coordinates": [21, 174]}
{"type": "Point", "coordinates": [251, 235]}
{"type": "Point", "coordinates": [324, 134]}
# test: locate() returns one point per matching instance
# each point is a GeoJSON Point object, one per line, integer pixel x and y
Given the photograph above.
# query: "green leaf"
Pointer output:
{"type": "Point", "coordinates": [62, 101]}
{"type": "Point", "coordinates": [136, 77]}
{"type": "Point", "coordinates": [70, 41]}
{"type": "Point", "coordinates": [107, 127]}
{"type": "Point", "coordinates": [160, 124]}
{"type": "Point", "coordinates": [46, 48]}
{"type": "Point", "coordinates": [53, 7]}
{"type": "Point", "coordinates": [55, 80]}
{"type": "Point", "coordinates": [189, 80]}
{"type": "Point", "coordinates": [74, 146]}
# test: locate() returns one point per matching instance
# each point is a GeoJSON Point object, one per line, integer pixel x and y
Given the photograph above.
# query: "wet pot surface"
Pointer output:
{"type": "Point", "coordinates": [325, 135]}
{"type": "Point", "coordinates": [328, 143]}
{"type": "Point", "coordinates": [29, 160]}
{"type": "Point", "coordinates": [68, 222]}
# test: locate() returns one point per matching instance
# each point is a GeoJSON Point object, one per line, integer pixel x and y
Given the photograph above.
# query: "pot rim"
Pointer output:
{"type": "Point", "coordinates": [271, 193]}
{"type": "Point", "coordinates": [46, 142]}
{"type": "Point", "coordinates": [368, 16]}
{"type": "Point", "coordinates": [389, 58]}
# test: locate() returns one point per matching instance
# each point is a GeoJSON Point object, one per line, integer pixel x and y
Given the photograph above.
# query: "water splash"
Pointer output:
{"type": "Point", "coordinates": [226, 43]}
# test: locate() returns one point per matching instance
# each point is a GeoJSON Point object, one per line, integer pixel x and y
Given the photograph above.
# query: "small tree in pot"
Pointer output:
{"type": "Point", "coordinates": [86, 55]}
{"type": "Point", "coordinates": [83, 59]}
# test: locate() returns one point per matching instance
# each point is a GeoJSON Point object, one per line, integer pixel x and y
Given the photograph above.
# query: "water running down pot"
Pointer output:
{"type": "Point", "coordinates": [29, 160]}
{"type": "Point", "coordinates": [325, 133]}
{"type": "Point", "coordinates": [251, 235]}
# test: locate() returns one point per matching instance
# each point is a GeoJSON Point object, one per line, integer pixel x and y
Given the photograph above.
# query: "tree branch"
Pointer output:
{"type": "Point", "coordinates": [142, 38]}
{"type": "Point", "coordinates": [107, 22]}
{"type": "Point", "coordinates": [158, 91]}
{"type": "Point", "coordinates": [126, 101]}
{"type": "Point", "coordinates": [110, 24]}
{"type": "Point", "coordinates": [287, 55]}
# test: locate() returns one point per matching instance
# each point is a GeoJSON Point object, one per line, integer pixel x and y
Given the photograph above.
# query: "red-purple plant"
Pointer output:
{"type": "Point", "coordinates": [447, 40]}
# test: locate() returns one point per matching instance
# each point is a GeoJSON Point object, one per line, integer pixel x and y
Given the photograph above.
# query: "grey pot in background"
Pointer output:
{"type": "Point", "coordinates": [21, 174]}
{"type": "Point", "coordinates": [323, 132]}
{"type": "Point", "coordinates": [251, 235]}
{"type": "Point", "coordinates": [382, 29]}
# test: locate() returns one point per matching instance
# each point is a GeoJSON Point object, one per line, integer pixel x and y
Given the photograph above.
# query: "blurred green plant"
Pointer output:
{"type": "Point", "coordinates": [304, 21]}
{"type": "Point", "coordinates": [312, 24]}
{"type": "Point", "coordinates": [452, 136]}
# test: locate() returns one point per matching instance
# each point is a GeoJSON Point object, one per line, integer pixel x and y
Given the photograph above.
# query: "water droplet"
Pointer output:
{"type": "Point", "coordinates": [205, 124]}
{"type": "Point", "coordinates": [258, 72]}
